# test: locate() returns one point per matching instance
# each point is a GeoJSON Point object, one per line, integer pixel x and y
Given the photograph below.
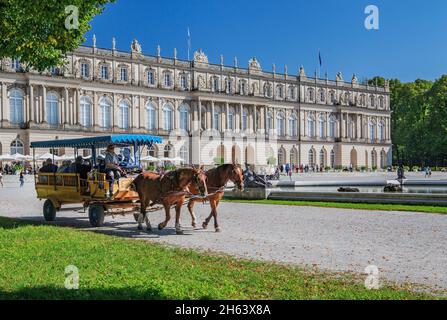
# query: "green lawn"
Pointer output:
{"type": "Point", "coordinates": [347, 205]}
{"type": "Point", "coordinates": [33, 259]}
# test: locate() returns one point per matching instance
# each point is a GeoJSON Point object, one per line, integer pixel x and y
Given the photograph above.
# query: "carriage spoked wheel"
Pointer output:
{"type": "Point", "coordinates": [49, 210]}
{"type": "Point", "coordinates": [96, 215]}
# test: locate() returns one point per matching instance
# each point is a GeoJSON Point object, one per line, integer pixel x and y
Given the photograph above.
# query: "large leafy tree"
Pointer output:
{"type": "Point", "coordinates": [36, 32]}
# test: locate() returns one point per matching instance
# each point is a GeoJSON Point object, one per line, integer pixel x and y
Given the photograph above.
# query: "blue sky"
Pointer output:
{"type": "Point", "coordinates": [410, 44]}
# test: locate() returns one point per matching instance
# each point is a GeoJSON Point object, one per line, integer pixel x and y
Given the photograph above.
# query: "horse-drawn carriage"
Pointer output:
{"type": "Point", "coordinates": [95, 192]}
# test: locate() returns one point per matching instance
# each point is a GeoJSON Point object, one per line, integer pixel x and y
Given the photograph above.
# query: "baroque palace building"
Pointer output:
{"type": "Point", "coordinates": [204, 112]}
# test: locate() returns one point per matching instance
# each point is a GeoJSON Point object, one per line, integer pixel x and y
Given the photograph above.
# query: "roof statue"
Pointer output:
{"type": "Point", "coordinates": [339, 77]}
{"type": "Point", "coordinates": [254, 65]}
{"type": "Point", "coordinates": [354, 79]}
{"type": "Point", "coordinates": [135, 47]}
{"type": "Point", "coordinates": [200, 56]}
{"type": "Point", "coordinates": [302, 72]}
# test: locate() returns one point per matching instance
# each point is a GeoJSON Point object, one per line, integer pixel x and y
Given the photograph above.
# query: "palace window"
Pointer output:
{"type": "Point", "coordinates": [269, 122]}
{"type": "Point", "coordinates": [16, 106]}
{"type": "Point", "coordinates": [310, 94]}
{"type": "Point", "coordinates": [311, 126]}
{"type": "Point", "coordinates": [279, 91]}
{"type": "Point", "coordinates": [322, 158]}
{"type": "Point", "coordinates": [124, 115]}
{"type": "Point", "coordinates": [351, 127]}
{"type": "Point", "coordinates": [167, 79]}
{"type": "Point", "coordinates": [332, 159]}
{"type": "Point", "coordinates": [151, 78]}
{"type": "Point", "coordinates": [183, 82]}
{"type": "Point", "coordinates": [216, 118]}
{"type": "Point", "coordinates": [123, 74]}
{"type": "Point", "coordinates": [168, 151]}
{"type": "Point", "coordinates": [291, 92]}
{"type": "Point", "coordinates": [104, 72]}
{"type": "Point", "coordinates": [244, 120]}
{"type": "Point", "coordinates": [381, 131]}
{"type": "Point", "coordinates": [167, 117]}
{"type": "Point", "coordinates": [268, 90]}
{"type": "Point", "coordinates": [321, 126]}
{"type": "Point", "coordinates": [150, 116]}
{"type": "Point", "coordinates": [372, 130]}
{"type": "Point", "coordinates": [243, 88]}
{"type": "Point", "coordinates": [229, 86]}
{"type": "Point", "coordinates": [86, 113]}
{"type": "Point", "coordinates": [231, 119]}
{"type": "Point", "coordinates": [293, 126]}
{"type": "Point", "coordinates": [332, 126]}
{"type": "Point", "coordinates": [16, 64]}
{"type": "Point", "coordinates": [311, 158]}
{"type": "Point", "coordinates": [372, 101]}
{"type": "Point", "coordinates": [84, 70]}
{"type": "Point", "coordinates": [16, 147]}
{"type": "Point", "coordinates": [184, 154]}
{"type": "Point", "coordinates": [280, 124]}
{"type": "Point", "coordinates": [105, 108]}
{"type": "Point", "coordinates": [322, 96]}
{"type": "Point", "coordinates": [52, 108]}
{"type": "Point", "coordinates": [184, 115]}
{"type": "Point", "coordinates": [332, 97]}
{"type": "Point", "coordinates": [215, 84]}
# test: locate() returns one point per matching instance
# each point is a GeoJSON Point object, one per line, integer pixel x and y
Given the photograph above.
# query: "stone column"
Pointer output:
{"type": "Point", "coordinates": [241, 109]}
{"type": "Point", "coordinates": [141, 118]}
{"type": "Point", "coordinates": [212, 115]}
{"type": "Point", "coordinates": [76, 106]}
{"type": "Point", "coordinates": [31, 104]}
{"type": "Point", "coordinates": [199, 109]}
{"type": "Point", "coordinates": [225, 120]}
{"type": "Point", "coordinates": [255, 119]}
{"type": "Point", "coordinates": [95, 111]}
{"type": "Point", "coordinates": [176, 115]}
{"type": "Point", "coordinates": [44, 104]}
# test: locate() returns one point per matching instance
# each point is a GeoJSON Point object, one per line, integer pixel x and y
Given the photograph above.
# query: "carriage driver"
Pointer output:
{"type": "Point", "coordinates": [113, 170]}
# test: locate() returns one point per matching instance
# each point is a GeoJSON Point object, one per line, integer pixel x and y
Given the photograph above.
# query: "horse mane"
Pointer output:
{"type": "Point", "coordinates": [214, 175]}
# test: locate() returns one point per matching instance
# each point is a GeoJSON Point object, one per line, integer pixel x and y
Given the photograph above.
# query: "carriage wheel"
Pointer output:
{"type": "Point", "coordinates": [49, 211]}
{"type": "Point", "coordinates": [96, 215]}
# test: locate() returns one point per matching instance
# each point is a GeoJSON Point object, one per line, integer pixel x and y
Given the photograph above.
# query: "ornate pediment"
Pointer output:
{"type": "Point", "coordinates": [200, 56]}
{"type": "Point", "coordinates": [253, 65]}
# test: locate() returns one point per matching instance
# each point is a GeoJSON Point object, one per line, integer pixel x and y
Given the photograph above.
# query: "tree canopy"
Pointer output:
{"type": "Point", "coordinates": [419, 121]}
{"type": "Point", "coordinates": [40, 33]}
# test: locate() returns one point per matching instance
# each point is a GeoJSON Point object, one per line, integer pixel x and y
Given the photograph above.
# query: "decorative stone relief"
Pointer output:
{"type": "Point", "coordinates": [253, 65]}
{"type": "Point", "coordinates": [200, 56]}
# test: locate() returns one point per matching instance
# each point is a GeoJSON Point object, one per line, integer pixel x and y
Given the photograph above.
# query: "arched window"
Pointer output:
{"type": "Point", "coordinates": [124, 108]}
{"type": "Point", "coordinates": [168, 151]}
{"type": "Point", "coordinates": [332, 125]}
{"type": "Point", "coordinates": [311, 126]}
{"type": "Point", "coordinates": [17, 147]}
{"type": "Point", "coordinates": [230, 119]}
{"type": "Point", "coordinates": [150, 116]}
{"type": "Point", "coordinates": [167, 117]}
{"type": "Point", "coordinates": [152, 151]}
{"type": "Point", "coordinates": [293, 125]}
{"type": "Point", "coordinates": [280, 124]}
{"type": "Point", "coordinates": [321, 126]}
{"type": "Point", "coordinates": [381, 131]}
{"type": "Point", "coordinates": [52, 109]}
{"type": "Point", "coordinates": [269, 121]}
{"type": "Point", "coordinates": [244, 119]}
{"type": "Point", "coordinates": [311, 158]}
{"type": "Point", "coordinates": [322, 158]}
{"type": "Point", "coordinates": [216, 118]}
{"type": "Point", "coordinates": [372, 130]}
{"type": "Point", "coordinates": [16, 106]}
{"type": "Point", "coordinates": [105, 108]}
{"type": "Point", "coordinates": [184, 154]}
{"type": "Point", "coordinates": [293, 156]}
{"type": "Point", "coordinates": [281, 156]}
{"type": "Point", "coordinates": [86, 112]}
{"type": "Point", "coordinates": [184, 117]}
{"type": "Point", "coordinates": [332, 159]}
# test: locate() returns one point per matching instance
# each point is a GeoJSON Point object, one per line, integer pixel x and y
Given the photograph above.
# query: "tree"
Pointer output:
{"type": "Point", "coordinates": [40, 33]}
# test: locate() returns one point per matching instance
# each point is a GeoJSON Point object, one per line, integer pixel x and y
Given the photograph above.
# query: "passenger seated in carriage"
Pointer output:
{"type": "Point", "coordinates": [112, 169]}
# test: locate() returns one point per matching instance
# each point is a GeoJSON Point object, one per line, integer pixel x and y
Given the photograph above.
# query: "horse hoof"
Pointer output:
{"type": "Point", "coordinates": [140, 228]}
{"type": "Point", "coordinates": [149, 229]}
{"type": "Point", "coordinates": [218, 230]}
{"type": "Point", "coordinates": [194, 225]}
{"type": "Point", "coordinates": [179, 232]}
{"type": "Point", "coordinates": [204, 225]}
{"type": "Point", "coordinates": [160, 227]}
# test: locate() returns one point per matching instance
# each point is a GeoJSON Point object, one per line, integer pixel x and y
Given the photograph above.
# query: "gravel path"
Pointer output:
{"type": "Point", "coordinates": [406, 247]}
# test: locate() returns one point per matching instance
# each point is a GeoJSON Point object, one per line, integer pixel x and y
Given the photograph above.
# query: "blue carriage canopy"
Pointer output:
{"type": "Point", "coordinates": [100, 141]}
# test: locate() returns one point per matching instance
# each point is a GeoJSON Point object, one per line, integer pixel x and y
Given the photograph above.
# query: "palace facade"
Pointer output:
{"type": "Point", "coordinates": [205, 113]}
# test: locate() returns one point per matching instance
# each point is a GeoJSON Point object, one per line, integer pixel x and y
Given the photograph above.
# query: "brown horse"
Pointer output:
{"type": "Point", "coordinates": [169, 189]}
{"type": "Point", "coordinates": [216, 179]}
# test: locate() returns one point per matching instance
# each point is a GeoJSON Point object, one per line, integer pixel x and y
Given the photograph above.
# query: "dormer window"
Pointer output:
{"type": "Point", "coordinates": [167, 79]}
